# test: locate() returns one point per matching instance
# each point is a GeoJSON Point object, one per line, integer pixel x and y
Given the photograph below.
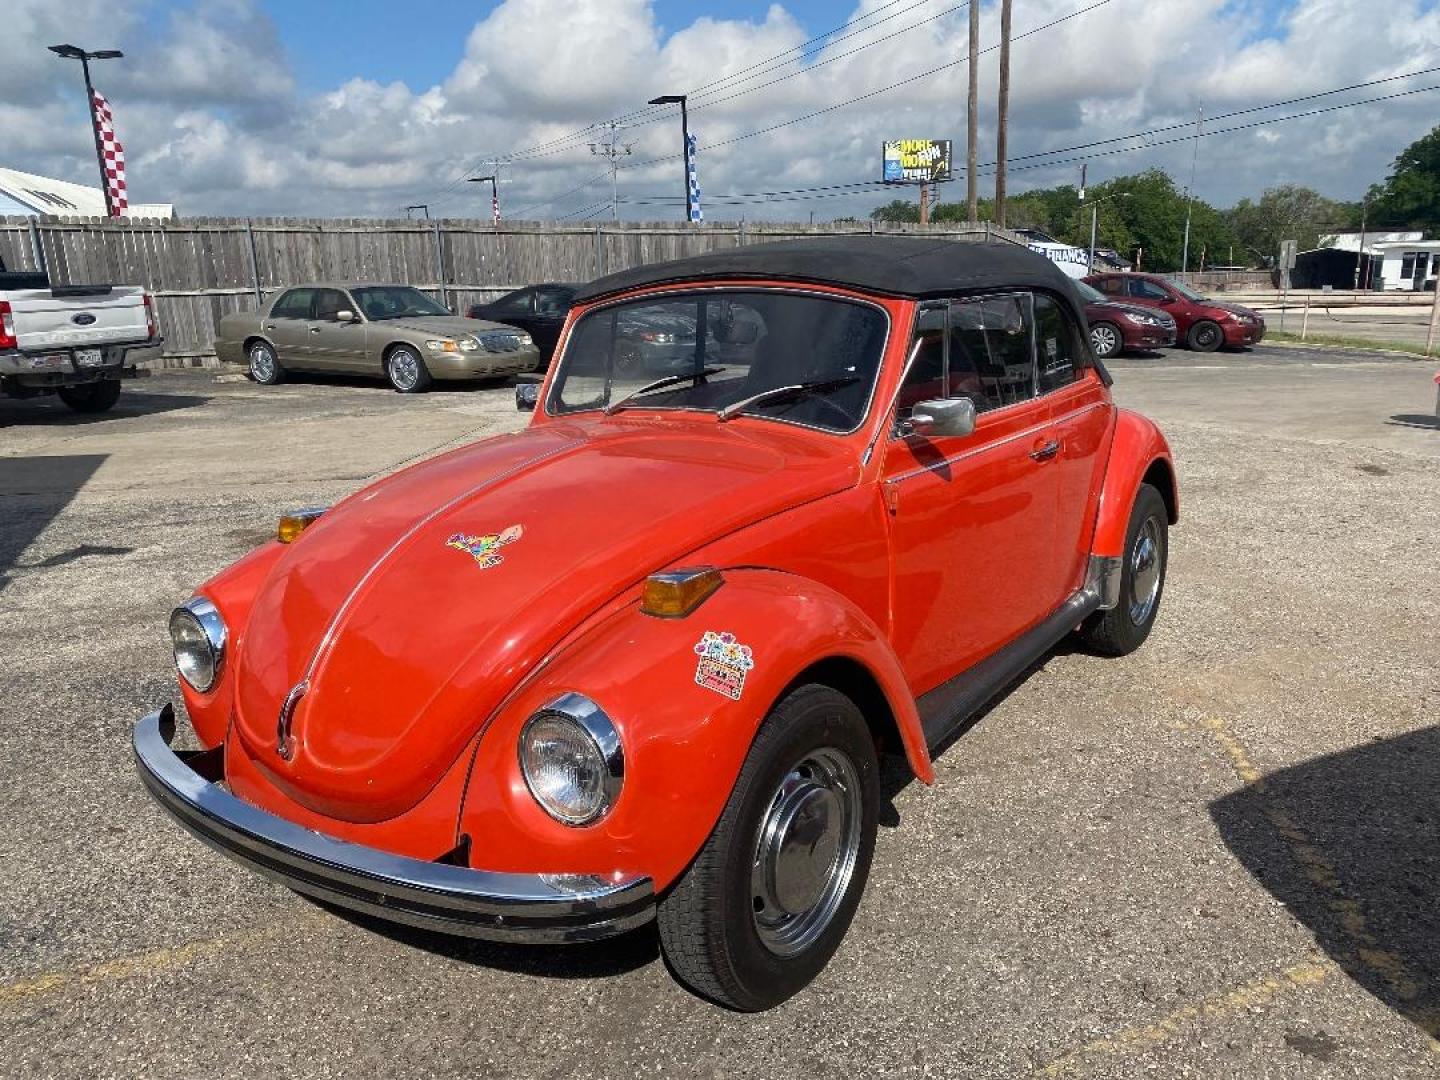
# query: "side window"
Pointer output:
{"type": "Point", "coordinates": [1057, 344]}
{"type": "Point", "coordinates": [517, 303]}
{"type": "Point", "coordinates": [328, 302]}
{"type": "Point", "coordinates": [552, 301]}
{"type": "Point", "coordinates": [1147, 290]}
{"type": "Point", "coordinates": [1112, 286]}
{"type": "Point", "coordinates": [925, 380]}
{"type": "Point", "coordinates": [992, 345]}
{"type": "Point", "coordinates": [295, 304]}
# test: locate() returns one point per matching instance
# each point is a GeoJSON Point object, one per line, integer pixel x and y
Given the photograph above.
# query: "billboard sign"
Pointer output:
{"type": "Point", "coordinates": [912, 161]}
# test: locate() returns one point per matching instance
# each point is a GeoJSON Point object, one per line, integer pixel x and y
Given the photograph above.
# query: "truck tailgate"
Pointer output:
{"type": "Point", "coordinates": [78, 319]}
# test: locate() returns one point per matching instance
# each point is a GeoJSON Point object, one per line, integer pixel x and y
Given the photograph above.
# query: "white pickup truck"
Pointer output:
{"type": "Point", "coordinates": [71, 340]}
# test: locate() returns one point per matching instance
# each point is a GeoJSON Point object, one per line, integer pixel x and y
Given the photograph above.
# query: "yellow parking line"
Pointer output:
{"type": "Point", "coordinates": [1227, 1003]}
{"type": "Point", "coordinates": [154, 962]}
{"type": "Point", "coordinates": [1367, 953]}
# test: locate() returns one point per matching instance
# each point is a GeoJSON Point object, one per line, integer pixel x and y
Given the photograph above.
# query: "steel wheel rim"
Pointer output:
{"type": "Point", "coordinates": [1103, 338]}
{"type": "Point", "coordinates": [404, 369]}
{"type": "Point", "coordinates": [806, 851]}
{"type": "Point", "coordinates": [262, 364]}
{"type": "Point", "coordinates": [1145, 572]}
{"type": "Point", "coordinates": [1208, 336]}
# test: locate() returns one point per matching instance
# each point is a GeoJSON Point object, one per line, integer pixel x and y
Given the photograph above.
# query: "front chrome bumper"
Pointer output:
{"type": "Point", "coordinates": [436, 896]}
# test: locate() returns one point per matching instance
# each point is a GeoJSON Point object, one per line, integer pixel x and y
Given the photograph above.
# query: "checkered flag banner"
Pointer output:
{"type": "Point", "coordinates": [692, 179]}
{"type": "Point", "coordinates": [113, 153]}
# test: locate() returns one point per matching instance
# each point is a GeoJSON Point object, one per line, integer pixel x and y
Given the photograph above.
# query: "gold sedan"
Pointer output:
{"type": "Point", "coordinates": [395, 331]}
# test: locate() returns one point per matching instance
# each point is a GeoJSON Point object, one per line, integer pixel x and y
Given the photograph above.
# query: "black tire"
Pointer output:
{"type": "Point", "coordinates": [264, 363]}
{"type": "Point", "coordinates": [1106, 339]}
{"type": "Point", "coordinates": [1205, 336]}
{"type": "Point", "coordinates": [95, 397]}
{"type": "Point", "coordinates": [1124, 628]}
{"type": "Point", "coordinates": [710, 919]}
{"type": "Point", "coordinates": [406, 371]}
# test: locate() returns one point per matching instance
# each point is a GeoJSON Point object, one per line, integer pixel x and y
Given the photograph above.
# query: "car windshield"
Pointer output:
{"type": "Point", "coordinates": [1090, 294]}
{"type": "Point", "coordinates": [395, 302]}
{"type": "Point", "coordinates": [799, 358]}
{"type": "Point", "coordinates": [1186, 291]}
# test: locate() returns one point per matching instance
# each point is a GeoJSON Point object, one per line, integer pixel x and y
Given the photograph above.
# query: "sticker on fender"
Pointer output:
{"type": "Point", "coordinates": [723, 664]}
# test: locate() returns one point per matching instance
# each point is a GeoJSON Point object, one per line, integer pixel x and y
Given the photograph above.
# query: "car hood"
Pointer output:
{"type": "Point", "coordinates": [410, 610]}
{"type": "Point", "coordinates": [1234, 309]}
{"type": "Point", "coordinates": [442, 325]}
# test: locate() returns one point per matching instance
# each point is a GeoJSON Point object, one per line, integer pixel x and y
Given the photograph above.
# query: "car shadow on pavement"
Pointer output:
{"type": "Point", "coordinates": [33, 492]}
{"type": "Point", "coordinates": [1415, 420]}
{"type": "Point", "coordinates": [588, 960]}
{"type": "Point", "coordinates": [380, 386]}
{"type": "Point", "coordinates": [1350, 844]}
{"type": "Point", "coordinates": [50, 411]}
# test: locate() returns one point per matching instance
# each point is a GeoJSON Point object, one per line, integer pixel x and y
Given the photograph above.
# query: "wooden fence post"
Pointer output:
{"type": "Point", "coordinates": [254, 262]}
{"type": "Point", "coordinates": [1434, 325]}
{"type": "Point", "coordinates": [37, 249]}
{"type": "Point", "coordinates": [440, 266]}
{"type": "Point", "coordinates": [599, 253]}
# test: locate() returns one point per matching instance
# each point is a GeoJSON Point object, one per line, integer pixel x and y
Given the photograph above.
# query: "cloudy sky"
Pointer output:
{"type": "Point", "coordinates": [359, 107]}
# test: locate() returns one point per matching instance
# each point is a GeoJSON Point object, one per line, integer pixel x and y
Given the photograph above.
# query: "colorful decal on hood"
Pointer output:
{"type": "Point", "coordinates": [723, 664]}
{"type": "Point", "coordinates": [485, 549]}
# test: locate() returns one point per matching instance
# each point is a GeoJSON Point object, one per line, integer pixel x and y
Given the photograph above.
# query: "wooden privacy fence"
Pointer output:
{"type": "Point", "coordinates": [200, 269]}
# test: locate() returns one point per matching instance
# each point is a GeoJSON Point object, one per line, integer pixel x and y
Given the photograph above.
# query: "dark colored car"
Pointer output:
{"type": "Point", "coordinates": [537, 309]}
{"type": "Point", "coordinates": [1116, 326]}
{"type": "Point", "coordinates": [1202, 324]}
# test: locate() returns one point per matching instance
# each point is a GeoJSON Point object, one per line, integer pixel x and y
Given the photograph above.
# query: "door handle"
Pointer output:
{"type": "Point", "coordinates": [269, 326]}
{"type": "Point", "coordinates": [1046, 452]}
{"type": "Point", "coordinates": [314, 329]}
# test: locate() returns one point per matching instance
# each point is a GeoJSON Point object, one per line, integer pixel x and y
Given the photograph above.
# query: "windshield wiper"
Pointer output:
{"type": "Point", "coordinates": [783, 393]}
{"type": "Point", "coordinates": [659, 384]}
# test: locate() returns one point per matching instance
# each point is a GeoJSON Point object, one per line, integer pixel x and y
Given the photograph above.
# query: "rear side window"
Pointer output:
{"type": "Point", "coordinates": [1057, 345]}
{"type": "Point", "coordinates": [295, 304]}
{"type": "Point", "coordinates": [1112, 286]}
{"type": "Point", "coordinates": [517, 303]}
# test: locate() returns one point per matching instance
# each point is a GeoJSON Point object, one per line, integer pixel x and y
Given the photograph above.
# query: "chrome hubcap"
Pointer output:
{"type": "Point", "coordinates": [1103, 338]}
{"type": "Point", "coordinates": [1145, 572]}
{"type": "Point", "coordinates": [404, 369]}
{"type": "Point", "coordinates": [262, 364]}
{"type": "Point", "coordinates": [806, 851]}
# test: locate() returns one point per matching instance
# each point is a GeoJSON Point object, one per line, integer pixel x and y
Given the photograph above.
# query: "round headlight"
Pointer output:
{"type": "Point", "coordinates": [571, 758]}
{"type": "Point", "coordinates": [198, 634]}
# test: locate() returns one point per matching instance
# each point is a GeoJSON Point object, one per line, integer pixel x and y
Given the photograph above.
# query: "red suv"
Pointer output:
{"type": "Point", "coordinates": [1203, 324]}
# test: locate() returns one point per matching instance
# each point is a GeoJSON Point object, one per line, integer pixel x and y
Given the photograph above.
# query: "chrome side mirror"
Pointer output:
{"type": "Point", "coordinates": [953, 417]}
{"type": "Point", "coordinates": [346, 316]}
{"type": "Point", "coordinates": [527, 395]}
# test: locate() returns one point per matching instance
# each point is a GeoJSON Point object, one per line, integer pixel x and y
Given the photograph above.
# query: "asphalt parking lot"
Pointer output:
{"type": "Point", "coordinates": [1219, 857]}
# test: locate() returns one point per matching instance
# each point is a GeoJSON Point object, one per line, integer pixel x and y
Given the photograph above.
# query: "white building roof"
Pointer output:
{"type": "Point", "coordinates": [42, 195]}
{"type": "Point", "coordinates": [1388, 246]}
{"type": "Point", "coordinates": [1350, 241]}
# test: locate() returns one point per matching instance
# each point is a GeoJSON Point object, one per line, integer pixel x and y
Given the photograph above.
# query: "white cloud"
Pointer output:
{"type": "Point", "coordinates": [212, 119]}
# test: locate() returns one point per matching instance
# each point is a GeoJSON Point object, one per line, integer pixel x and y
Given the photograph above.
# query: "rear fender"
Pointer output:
{"type": "Point", "coordinates": [683, 741]}
{"type": "Point", "coordinates": [1138, 454]}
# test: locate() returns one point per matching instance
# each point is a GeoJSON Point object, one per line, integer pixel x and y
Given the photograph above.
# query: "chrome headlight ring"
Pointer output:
{"type": "Point", "coordinates": [572, 760]}
{"type": "Point", "coordinates": [198, 636]}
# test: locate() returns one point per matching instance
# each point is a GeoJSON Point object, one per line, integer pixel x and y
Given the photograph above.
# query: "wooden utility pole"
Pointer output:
{"type": "Point", "coordinates": [972, 195]}
{"type": "Point", "coordinates": [924, 203]}
{"type": "Point", "coordinates": [1003, 120]}
{"type": "Point", "coordinates": [1430, 339]}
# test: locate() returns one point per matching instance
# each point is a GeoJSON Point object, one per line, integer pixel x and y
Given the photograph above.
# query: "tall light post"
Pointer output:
{"type": "Point", "coordinates": [74, 52]}
{"type": "Point", "coordinates": [679, 99]}
{"type": "Point", "coordinates": [494, 196]}
{"type": "Point", "coordinates": [1095, 224]}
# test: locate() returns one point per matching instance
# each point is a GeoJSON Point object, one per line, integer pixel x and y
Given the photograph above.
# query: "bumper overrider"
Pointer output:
{"type": "Point", "coordinates": [436, 896]}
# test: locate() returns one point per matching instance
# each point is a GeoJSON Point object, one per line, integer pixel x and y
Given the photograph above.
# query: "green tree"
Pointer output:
{"type": "Point", "coordinates": [1410, 196]}
{"type": "Point", "coordinates": [1289, 212]}
{"type": "Point", "coordinates": [897, 211]}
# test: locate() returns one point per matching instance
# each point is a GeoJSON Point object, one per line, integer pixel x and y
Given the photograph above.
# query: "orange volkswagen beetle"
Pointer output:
{"type": "Point", "coordinates": [637, 660]}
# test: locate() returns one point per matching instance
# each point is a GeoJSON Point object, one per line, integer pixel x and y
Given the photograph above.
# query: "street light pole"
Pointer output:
{"type": "Point", "coordinates": [74, 52]}
{"type": "Point", "coordinates": [679, 99]}
{"type": "Point", "coordinates": [1094, 226]}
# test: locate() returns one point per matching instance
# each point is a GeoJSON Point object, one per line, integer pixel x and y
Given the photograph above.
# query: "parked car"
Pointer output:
{"type": "Point", "coordinates": [634, 661]}
{"type": "Point", "coordinates": [76, 341]}
{"type": "Point", "coordinates": [1116, 326]}
{"type": "Point", "coordinates": [539, 310]}
{"type": "Point", "coordinates": [1201, 323]}
{"type": "Point", "coordinates": [390, 330]}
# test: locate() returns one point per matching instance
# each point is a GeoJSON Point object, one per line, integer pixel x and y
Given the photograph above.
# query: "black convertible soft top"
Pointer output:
{"type": "Point", "coordinates": [910, 266]}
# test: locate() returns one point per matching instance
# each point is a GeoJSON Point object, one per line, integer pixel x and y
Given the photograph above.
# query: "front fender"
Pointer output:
{"type": "Point", "coordinates": [683, 742]}
{"type": "Point", "coordinates": [1138, 454]}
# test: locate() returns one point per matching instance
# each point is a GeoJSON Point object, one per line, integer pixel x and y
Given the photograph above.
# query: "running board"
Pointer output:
{"type": "Point", "coordinates": [950, 704]}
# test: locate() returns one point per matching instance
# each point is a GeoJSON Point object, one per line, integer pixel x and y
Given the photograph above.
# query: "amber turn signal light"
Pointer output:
{"type": "Point", "coordinates": [676, 593]}
{"type": "Point", "coordinates": [293, 524]}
